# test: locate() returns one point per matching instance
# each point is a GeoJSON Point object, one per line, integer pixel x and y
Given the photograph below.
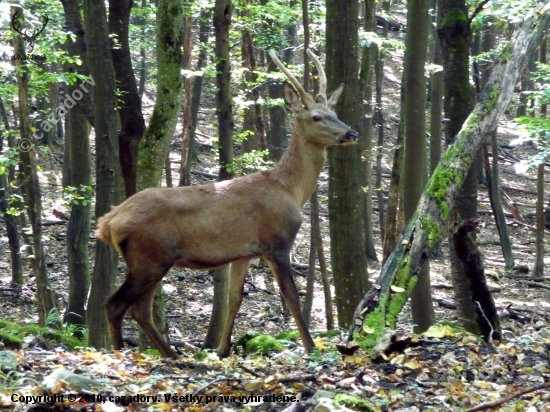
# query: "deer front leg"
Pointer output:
{"type": "Point", "coordinates": [280, 265]}
{"type": "Point", "coordinates": [237, 276]}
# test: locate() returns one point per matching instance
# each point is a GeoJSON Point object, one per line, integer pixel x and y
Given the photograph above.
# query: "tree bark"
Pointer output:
{"type": "Point", "coordinates": [30, 184]}
{"type": "Point", "coordinates": [108, 173]}
{"type": "Point", "coordinates": [222, 22]}
{"type": "Point", "coordinates": [155, 144]}
{"type": "Point", "coordinates": [455, 35]}
{"type": "Point", "coordinates": [423, 232]}
{"type": "Point", "coordinates": [415, 168]}
{"type": "Point", "coordinates": [347, 235]}
{"type": "Point", "coordinates": [77, 140]}
{"type": "Point", "coordinates": [12, 232]}
{"type": "Point", "coordinates": [132, 125]}
{"type": "Point", "coordinates": [487, 319]}
{"type": "Point", "coordinates": [366, 78]}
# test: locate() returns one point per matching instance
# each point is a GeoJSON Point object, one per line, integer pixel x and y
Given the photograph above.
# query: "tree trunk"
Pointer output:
{"type": "Point", "coordinates": [381, 305]}
{"type": "Point", "coordinates": [222, 22]}
{"type": "Point", "coordinates": [73, 23]}
{"type": "Point", "coordinates": [78, 228]}
{"type": "Point", "coordinates": [108, 173]}
{"type": "Point", "coordinates": [379, 121]}
{"type": "Point", "coordinates": [347, 235]}
{"type": "Point", "coordinates": [77, 141]}
{"type": "Point", "coordinates": [155, 144]}
{"type": "Point", "coordinates": [486, 317]}
{"type": "Point", "coordinates": [436, 98]}
{"type": "Point", "coordinates": [30, 184]}
{"type": "Point", "coordinates": [186, 121]}
{"type": "Point", "coordinates": [538, 270]}
{"type": "Point", "coordinates": [455, 33]}
{"type": "Point", "coordinates": [366, 77]}
{"type": "Point", "coordinates": [17, 278]}
{"type": "Point", "coordinates": [415, 157]}
{"type": "Point", "coordinates": [132, 125]}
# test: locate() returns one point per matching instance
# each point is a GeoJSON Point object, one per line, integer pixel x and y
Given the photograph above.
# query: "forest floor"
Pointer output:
{"type": "Point", "coordinates": [442, 370]}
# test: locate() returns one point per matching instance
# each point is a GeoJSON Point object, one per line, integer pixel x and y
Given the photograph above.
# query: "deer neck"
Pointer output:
{"type": "Point", "coordinates": [299, 168]}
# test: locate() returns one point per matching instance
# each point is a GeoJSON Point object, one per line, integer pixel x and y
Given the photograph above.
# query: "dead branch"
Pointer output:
{"type": "Point", "coordinates": [508, 398]}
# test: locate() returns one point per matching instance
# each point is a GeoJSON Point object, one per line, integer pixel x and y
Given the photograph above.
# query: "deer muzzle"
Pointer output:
{"type": "Point", "coordinates": [349, 138]}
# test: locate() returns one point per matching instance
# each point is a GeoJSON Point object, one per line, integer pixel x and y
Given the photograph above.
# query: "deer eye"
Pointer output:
{"type": "Point", "coordinates": [317, 118]}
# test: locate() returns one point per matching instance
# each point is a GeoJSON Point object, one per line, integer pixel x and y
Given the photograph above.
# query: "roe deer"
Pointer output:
{"type": "Point", "coordinates": [233, 221]}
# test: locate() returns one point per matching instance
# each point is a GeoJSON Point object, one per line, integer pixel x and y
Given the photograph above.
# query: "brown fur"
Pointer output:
{"type": "Point", "coordinates": [226, 222]}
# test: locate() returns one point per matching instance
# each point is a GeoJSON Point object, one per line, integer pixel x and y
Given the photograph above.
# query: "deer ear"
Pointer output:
{"type": "Point", "coordinates": [291, 97]}
{"type": "Point", "coordinates": [333, 99]}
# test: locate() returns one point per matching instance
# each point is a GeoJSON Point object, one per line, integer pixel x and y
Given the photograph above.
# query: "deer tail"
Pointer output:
{"type": "Point", "coordinates": [105, 233]}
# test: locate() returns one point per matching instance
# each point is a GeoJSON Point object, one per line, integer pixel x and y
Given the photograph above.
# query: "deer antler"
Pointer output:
{"type": "Point", "coordinates": [320, 72]}
{"type": "Point", "coordinates": [306, 97]}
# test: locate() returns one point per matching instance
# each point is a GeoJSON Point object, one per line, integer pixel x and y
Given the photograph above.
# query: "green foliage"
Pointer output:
{"type": "Point", "coordinates": [76, 196]}
{"type": "Point", "coordinates": [353, 402]}
{"type": "Point", "coordinates": [288, 335]}
{"type": "Point", "coordinates": [329, 333]}
{"type": "Point", "coordinates": [200, 355]}
{"type": "Point", "coordinates": [250, 162]}
{"type": "Point", "coordinates": [152, 352]}
{"type": "Point", "coordinates": [264, 345]}
{"type": "Point", "coordinates": [12, 334]}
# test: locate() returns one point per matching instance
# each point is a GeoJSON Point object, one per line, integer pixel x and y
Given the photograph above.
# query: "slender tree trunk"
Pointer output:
{"type": "Point", "coordinates": [366, 77]}
{"type": "Point", "coordinates": [379, 120]}
{"type": "Point", "coordinates": [415, 156]}
{"type": "Point", "coordinates": [392, 217]}
{"type": "Point", "coordinates": [436, 98]}
{"type": "Point", "coordinates": [17, 278]}
{"type": "Point", "coordinates": [30, 183]}
{"type": "Point", "coordinates": [222, 22]}
{"type": "Point", "coordinates": [538, 270]}
{"type": "Point", "coordinates": [186, 121]}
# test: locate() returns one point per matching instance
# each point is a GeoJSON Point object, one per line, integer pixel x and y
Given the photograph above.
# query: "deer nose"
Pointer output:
{"type": "Point", "coordinates": [351, 135]}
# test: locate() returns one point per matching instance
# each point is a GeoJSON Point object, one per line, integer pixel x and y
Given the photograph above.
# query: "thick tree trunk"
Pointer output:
{"type": "Point", "coordinates": [132, 125]}
{"type": "Point", "coordinates": [77, 47]}
{"type": "Point", "coordinates": [77, 146]}
{"type": "Point", "coordinates": [78, 228]}
{"type": "Point", "coordinates": [486, 315]}
{"type": "Point", "coordinates": [455, 34]}
{"type": "Point", "coordinates": [108, 173]}
{"type": "Point", "coordinates": [155, 144]}
{"type": "Point", "coordinates": [381, 305]}
{"type": "Point", "coordinates": [349, 263]}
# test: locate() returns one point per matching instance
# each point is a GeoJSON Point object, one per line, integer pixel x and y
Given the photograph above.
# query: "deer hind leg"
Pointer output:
{"type": "Point", "coordinates": [281, 267]}
{"type": "Point", "coordinates": [237, 276]}
{"type": "Point", "coordinates": [141, 311]}
{"type": "Point", "coordinates": [141, 281]}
